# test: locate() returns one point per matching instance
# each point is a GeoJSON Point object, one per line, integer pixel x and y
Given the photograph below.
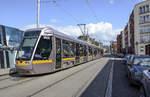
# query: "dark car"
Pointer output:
{"type": "Point", "coordinates": [145, 87]}
{"type": "Point", "coordinates": [136, 67]}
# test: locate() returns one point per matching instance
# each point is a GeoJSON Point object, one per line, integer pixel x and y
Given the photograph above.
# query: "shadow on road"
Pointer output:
{"type": "Point", "coordinates": [98, 87]}
{"type": "Point", "coordinates": [121, 86]}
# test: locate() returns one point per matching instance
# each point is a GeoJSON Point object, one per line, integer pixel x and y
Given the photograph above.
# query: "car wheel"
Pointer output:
{"type": "Point", "coordinates": [131, 82]}
{"type": "Point", "coordinates": [142, 92]}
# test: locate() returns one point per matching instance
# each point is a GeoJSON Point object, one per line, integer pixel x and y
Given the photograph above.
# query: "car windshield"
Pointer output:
{"type": "Point", "coordinates": [142, 61]}
{"type": "Point", "coordinates": [27, 46]}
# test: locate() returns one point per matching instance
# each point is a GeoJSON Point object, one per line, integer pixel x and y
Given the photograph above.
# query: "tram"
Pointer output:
{"type": "Point", "coordinates": [45, 50]}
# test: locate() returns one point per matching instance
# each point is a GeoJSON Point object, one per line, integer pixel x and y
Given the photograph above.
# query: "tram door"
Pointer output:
{"type": "Point", "coordinates": [77, 53]}
{"type": "Point", "coordinates": [58, 53]}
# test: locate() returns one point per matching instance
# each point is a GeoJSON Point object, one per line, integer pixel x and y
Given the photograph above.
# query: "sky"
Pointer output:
{"type": "Point", "coordinates": [103, 18]}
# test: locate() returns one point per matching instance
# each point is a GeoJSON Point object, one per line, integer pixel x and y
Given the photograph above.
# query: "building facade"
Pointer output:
{"type": "Point", "coordinates": [136, 34]}
{"type": "Point", "coordinates": [113, 47]}
{"type": "Point", "coordinates": [147, 49]}
{"type": "Point", "coordinates": [10, 39]}
{"type": "Point", "coordinates": [119, 43]}
{"type": "Point", "coordinates": [141, 27]}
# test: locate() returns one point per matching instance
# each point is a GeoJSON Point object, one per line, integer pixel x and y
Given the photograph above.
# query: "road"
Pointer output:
{"type": "Point", "coordinates": [87, 80]}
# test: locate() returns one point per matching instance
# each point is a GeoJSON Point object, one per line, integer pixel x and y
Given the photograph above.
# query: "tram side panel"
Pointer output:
{"type": "Point", "coordinates": [45, 49]}
{"type": "Point", "coordinates": [90, 56]}
{"type": "Point", "coordinates": [68, 55]}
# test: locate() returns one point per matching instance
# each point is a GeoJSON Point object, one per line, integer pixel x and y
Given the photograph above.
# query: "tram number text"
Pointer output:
{"type": "Point", "coordinates": [46, 37]}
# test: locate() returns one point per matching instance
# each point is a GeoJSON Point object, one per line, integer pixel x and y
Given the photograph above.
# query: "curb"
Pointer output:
{"type": "Point", "coordinates": [4, 72]}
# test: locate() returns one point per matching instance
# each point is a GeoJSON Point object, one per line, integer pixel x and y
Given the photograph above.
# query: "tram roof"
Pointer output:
{"type": "Point", "coordinates": [50, 30]}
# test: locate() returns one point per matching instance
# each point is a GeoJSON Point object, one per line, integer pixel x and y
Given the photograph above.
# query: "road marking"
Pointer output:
{"type": "Point", "coordinates": [109, 85]}
{"type": "Point", "coordinates": [85, 86]}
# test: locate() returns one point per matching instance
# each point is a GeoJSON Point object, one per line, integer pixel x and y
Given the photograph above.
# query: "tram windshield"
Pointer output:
{"type": "Point", "coordinates": [27, 45]}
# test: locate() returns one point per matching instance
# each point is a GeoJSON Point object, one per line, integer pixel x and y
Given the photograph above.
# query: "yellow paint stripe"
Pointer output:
{"type": "Point", "coordinates": [66, 59]}
{"type": "Point", "coordinates": [81, 57]}
{"type": "Point", "coordinates": [89, 56]}
{"type": "Point", "coordinates": [24, 63]}
{"type": "Point", "coordinates": [42, 61]}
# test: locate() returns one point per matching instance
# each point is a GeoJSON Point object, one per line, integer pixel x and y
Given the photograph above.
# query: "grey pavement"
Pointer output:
{"type": "Point", "coordinates": [4, 71]}
{"type": "Point", "coordinates": [67, 83]}
{"type": "Point", "coordinates": [99, 85]}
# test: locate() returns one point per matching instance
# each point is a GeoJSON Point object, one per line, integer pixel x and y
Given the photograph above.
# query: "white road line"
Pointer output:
{"type": "Point", "coordinates": [109, 85]}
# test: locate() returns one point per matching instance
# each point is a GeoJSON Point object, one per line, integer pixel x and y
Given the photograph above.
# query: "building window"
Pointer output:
{"type": "Point", "coordinates": [147, 8]}
{"type": "Point", "coordinates": [144, 19]}
{"type": "Point", "coordinates": [142, 47]}
{"type": "Point", "coordinates": [145, 39]}
{"type": "Point", "coordinates": [140, 9]}
{"type": "Point", "coordinates": [144, 9]}
{"type": "Point", "coordinates": [145, 29]}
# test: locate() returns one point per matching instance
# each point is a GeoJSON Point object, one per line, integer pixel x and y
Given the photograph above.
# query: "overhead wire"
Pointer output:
{"type": "Point", "coordinates": [92, 10]}
{"type": "Point", "coordinates": [65, 11]}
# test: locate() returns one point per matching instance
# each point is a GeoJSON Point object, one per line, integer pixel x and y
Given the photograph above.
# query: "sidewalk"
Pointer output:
{"type": "Point", "coordinates": [4, 71]}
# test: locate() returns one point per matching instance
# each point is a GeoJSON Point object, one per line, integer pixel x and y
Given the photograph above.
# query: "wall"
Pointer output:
{"type": "Point", "coordinates": [9, 37]}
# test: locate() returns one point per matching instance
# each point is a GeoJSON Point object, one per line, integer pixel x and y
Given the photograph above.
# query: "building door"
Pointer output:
{"type": "Point", "coordinates": [58, 53]}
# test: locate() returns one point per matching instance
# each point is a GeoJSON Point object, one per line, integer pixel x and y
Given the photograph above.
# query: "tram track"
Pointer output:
{"type": "Point", "coordinates": [13, 81]}
{"type": "Point", "coordinates": [56, 82]}
{"type": "Point", "coordinates": [4, 77]}
{"type": "Point", "coordinates": [12, 76]}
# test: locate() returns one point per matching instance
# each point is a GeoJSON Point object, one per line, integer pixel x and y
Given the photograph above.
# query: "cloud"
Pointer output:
{"type": "Point", "coordinates": [53, 20]}
{"type": "Point", "coordinates": [102, 31]}
{"type": "Point", "coordinates": [111, 1]}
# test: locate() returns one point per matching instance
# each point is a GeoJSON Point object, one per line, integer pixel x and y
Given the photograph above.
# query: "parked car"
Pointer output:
{"type": "Point", "coordinates": [145, 87]}
{"type": "Point", "coordinates": [136, 67]}
{"type": "Point", "coordinates": [121, 55]}
{"type": "Point", "coordinates": [126, 58]}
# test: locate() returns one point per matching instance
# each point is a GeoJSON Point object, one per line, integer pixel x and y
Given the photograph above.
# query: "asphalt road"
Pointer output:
{"type": "Point", "coordinates": [87, 80]}
{"type": "Point", "coordinates": [120, 83]}
{"type": "Point", "coordinates": [121, 86]}
{"type": "Point", "coordinates": [99, 85]}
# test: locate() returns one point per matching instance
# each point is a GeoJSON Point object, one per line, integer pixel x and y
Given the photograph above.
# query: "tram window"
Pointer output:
{"type": "Point", "coordinates": [85, 52]}
{"type": "Point", "coordinates": [32, 33]}
{"type": "Point", "coordinates": [27, 46]}
{"type": "Point", "coordinates": [77, 50]}
{"type": "Point", "coordinates": [81, 50]}
{"type": "Point", "coordinates": [68, 49]}
{"type": "Point", "coordinates": [95, 52]}
{"type": "Point", "coordinates": [43, 49]}
{"type": "Point", "coordinates": [90, 51]}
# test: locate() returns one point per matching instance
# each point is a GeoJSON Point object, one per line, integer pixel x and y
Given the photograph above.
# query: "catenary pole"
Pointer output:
{"type": "Point", "coordinates": [38, 13]}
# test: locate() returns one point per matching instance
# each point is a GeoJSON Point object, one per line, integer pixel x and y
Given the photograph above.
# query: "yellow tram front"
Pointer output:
{"type": "Point", "coordinates": [34, 55]}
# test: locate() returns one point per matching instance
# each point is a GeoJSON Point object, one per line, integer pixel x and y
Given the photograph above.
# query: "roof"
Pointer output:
{"type": "Point", "coordinates": [141, 56]}
{"type": "Point", "coordinates": [55, 32]}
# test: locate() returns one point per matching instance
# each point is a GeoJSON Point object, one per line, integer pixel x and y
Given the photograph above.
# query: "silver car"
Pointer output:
{"type": "Point", "coordinates": [145, 88]}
